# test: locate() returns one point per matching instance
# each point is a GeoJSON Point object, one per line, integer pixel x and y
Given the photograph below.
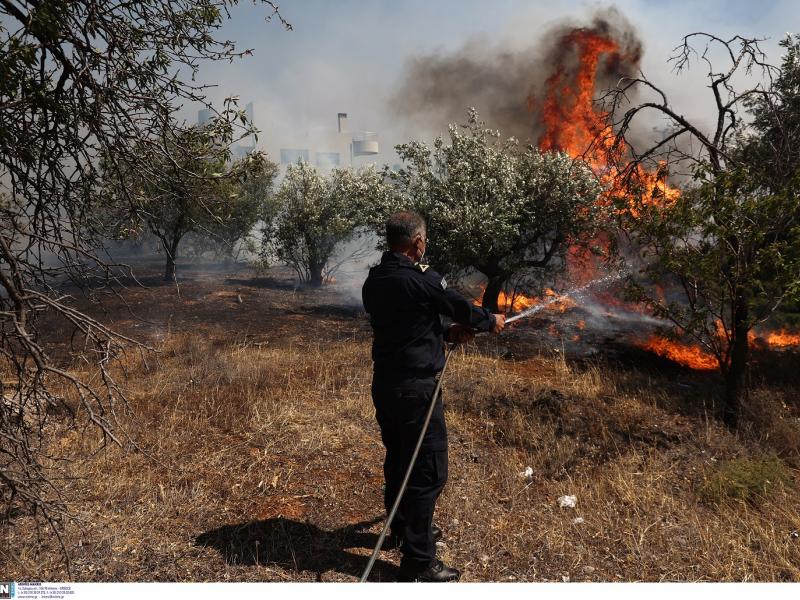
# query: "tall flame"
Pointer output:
{"type": "Point", "coordinates": [571, 122]}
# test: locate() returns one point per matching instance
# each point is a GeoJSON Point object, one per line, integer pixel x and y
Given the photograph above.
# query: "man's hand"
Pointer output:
{"type": "Point", "coordinates": [499, 323]}
{"type": "Point", "coordinates": [459, 334]}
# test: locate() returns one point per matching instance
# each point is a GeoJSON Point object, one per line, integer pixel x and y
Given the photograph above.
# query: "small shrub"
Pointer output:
{"type": "Point", "coordinates": [743, 479]}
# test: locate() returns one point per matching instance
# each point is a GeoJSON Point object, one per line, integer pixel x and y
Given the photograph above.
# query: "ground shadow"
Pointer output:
{"type": "Point", "coordinates": [298, 546]}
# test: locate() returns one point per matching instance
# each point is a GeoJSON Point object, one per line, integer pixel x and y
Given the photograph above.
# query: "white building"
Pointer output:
{"type": "Point", "coordinates": [326, 148]}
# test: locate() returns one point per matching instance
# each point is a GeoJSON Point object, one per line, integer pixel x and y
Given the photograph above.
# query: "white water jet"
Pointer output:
{"type": "Point", "coordinates": [577, 292]}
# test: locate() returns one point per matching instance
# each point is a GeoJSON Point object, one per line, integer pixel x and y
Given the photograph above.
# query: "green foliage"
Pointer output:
{"type": "Point", "coordinates": [730, 242]}
{"type": "Point", "coordinates": [732, 239]}
{"type": "Point", "coordinates": [498, 208]}
{"type": "Point", "coordinates": [773, 150]}
{"type": "Point", "coordinates": [249, 199]}
{"type": "Point", "coordinates": [743, 479]}
{"type": "Point", "coordinates": [727, 233]}
{"type": "Point", "coordinates": [186, 185]}
{"type": "Point", "coordinates": [317, 213]}
{"type": "Point", "coordinates": [772, 145]}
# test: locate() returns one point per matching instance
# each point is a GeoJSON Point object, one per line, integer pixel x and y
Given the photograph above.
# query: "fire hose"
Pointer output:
{"type": "Point", "coordinates": [525, 313]}
{"type": "Point", "coordinates": [410, 468]}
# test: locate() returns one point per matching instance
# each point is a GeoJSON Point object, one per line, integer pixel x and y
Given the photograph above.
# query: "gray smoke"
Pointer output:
{"type": "Point", "coordinates": [507, 86]}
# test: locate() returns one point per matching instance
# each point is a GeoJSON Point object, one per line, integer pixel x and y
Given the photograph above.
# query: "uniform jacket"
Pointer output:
{"type": "Point", "coordinates": [405, 301]}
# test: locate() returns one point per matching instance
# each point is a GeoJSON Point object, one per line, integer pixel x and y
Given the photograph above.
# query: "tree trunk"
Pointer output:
{"type": "Point", "coordinates": [169, 270]}
{"type": "Point", "coordinates": [171, 250]}
{"type": "Point", "coordinates": [736, 375]}
{"type": "Point", "coordinates": [315, 271]}
{"type": "Point", "coordinates": [490, 295]}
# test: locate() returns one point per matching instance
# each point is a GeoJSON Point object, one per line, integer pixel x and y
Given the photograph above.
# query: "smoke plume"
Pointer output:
{"type": "Point", "coordinates": [507, 85]}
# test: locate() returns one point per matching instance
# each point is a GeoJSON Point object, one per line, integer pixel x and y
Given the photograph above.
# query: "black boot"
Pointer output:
{"type": "Point", "coordinates": [393, 541]}
{"type": "Point", "coordinates": [437, 572]}
{"type": "Point", "coordinates": [437, 533]}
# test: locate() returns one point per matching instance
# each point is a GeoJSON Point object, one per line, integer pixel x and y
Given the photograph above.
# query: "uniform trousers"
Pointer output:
{"type": "Point", "coordinates": [401, 404]}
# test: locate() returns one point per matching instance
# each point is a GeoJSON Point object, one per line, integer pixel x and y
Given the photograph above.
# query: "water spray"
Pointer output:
{"type": "Point", "coordinates": [577, 292]}
{"type": "Point", "coordinates": [525, 313]}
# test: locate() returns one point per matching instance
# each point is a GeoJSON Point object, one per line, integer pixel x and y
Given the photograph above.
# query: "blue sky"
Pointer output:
{"type": "Point", "coordinates": [349, 55]}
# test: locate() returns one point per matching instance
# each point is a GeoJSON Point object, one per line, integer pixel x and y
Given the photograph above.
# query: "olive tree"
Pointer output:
{"type": "Point", "coordinates": [318, 213]}
{"type": "Point", "coordinates": [191, 187]}
{"type": "Point", "coordinates": [249, 201]}
{"type": "Point", "coordinates": [495, 207]}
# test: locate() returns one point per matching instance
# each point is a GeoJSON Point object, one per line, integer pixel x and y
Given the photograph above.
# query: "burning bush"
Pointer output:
{"type": "Point", "coordinates": [730, 241]}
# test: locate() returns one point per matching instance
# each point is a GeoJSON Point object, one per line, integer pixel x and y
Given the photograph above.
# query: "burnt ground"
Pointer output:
{"type": "Point", "coordinates": [252, 452]}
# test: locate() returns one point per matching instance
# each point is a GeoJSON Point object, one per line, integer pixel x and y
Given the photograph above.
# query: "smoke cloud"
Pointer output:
{"type": "Point", "coordinates": [507, 86]}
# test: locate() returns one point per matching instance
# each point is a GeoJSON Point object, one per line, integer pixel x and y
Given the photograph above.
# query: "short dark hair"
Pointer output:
{"type": "Point", "coordinates": [402, 227]}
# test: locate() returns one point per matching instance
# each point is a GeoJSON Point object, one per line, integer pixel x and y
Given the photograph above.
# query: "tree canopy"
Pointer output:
{"type": "Point", "coordinates": [497, 208]}
{"type": "Point", "coordinates": [317, 213]}
{"type": "Point", "coordinates": [731, 240]}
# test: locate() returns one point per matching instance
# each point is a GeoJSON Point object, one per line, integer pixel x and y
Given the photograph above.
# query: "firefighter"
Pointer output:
{"type": "Point", "coordinates": [410, 306]}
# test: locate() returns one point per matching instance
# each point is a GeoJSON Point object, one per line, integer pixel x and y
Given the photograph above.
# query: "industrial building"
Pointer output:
{"type": "Point", "coordinates": [325, 148]}
{"type": "Point", "coordinates": [329, 148]}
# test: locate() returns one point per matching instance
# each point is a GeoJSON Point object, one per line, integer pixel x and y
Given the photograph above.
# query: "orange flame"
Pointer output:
{"type": "Point", "coordinates": [694, 357]}
{"type": "Point", "coordinates": [514, 302]}
{"type": "Point", "coordinates": [690, 356]}
{"type": "Point", "coordinates": [782, 339]}
{"type": "Point", "coordinates": [572, 123]}
{"type": "Point", "coordinates": [517, 302]}
{"type": "Point", "coordinates": [766, 339]}
{"type": "Point", "coordinates": [570, 120]}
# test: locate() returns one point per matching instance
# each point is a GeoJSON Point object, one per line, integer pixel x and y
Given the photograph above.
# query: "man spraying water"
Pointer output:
{"type": "Point", "coordinates": [405, 301]}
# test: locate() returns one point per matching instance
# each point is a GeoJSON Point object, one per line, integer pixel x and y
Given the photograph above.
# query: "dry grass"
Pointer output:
{"type": "Point", "coordinates": [265, 464]}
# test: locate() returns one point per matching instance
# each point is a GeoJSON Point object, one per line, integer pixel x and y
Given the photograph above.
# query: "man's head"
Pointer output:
{"type": "Point", "coordinates": [405, 233]}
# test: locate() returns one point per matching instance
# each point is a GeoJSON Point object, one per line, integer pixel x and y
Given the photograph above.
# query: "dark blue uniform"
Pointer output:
{"type": "Point", "coordinates": [406, 302]}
